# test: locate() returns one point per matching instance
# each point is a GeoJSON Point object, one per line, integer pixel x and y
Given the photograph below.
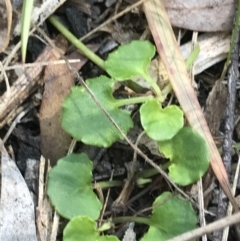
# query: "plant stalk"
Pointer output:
{"type": "Point", "coordinates": [153, 84]}
{"type": "Point", "coordinates": [135, 100]}
{"type": "Point", "coordinates": [167, 90]}
{"type": "Point", "coordinates": [71, 38]}
{"type": "Point", "coordinates": [107, 184]}
{"type": "Point", "coordinates": [153, 171]}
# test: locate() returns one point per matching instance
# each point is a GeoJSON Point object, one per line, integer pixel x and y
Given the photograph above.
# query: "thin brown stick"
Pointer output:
{"type": "Point", "coordinates": [230, 207]}
{"type": "Point", "coordinates": [44, 63]}
{"type": "Point", "coordinates": [201, 207]}
{"type": "Point", "coordinates": [9, 20]}
{"type": "Point", "coordinates": [105, 203]}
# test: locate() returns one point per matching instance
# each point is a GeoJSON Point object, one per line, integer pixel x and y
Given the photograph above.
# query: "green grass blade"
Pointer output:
{"type": "Point", "coordinates": [25, 26]}
{"type": "Point", "coordinates": [192, 57]}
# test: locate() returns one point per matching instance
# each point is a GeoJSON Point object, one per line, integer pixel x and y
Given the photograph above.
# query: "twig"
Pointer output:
{"type": "Point", "coordinates": [72, 146]}
{"type": "Point", "coordinates": [105, 203]}
{"type": "Point", "coordinates": [233, 74]}
{"type": "Point", "coordinates": [16, 121]}
{"type": "Point", "coordinates": [230, 208]}
{"type": "Point", "coordinates": [44, 210]}
{"type": "Point", "coordinates": [9, 24]}
{"type": "Point", "coordinates": [201, 207]}
{"type": "Point", "coordinates": [55, 227]}
{"type": "Point", "coordinates": [23, 86]}
{"type": "Point", "coordinates": [6, 78]}
{"type": "Point", "coordinates": [44, 63]}
{"type": "Point", "coordinates": [120, 202]}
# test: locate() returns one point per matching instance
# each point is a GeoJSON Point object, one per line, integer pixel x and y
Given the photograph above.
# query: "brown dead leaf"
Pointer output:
{"type": "Point", "coordinates": [5, 23]}
{"type": "Point", "coordinates": [215, 106]}
{"type": "Point", "coordinates": [54, 140]}
{"type": "Point", "coordinates": [206, 15]}
{"type": "Point", "coordinates": [58, 82]}
{"type": "Point", "coordinates": [25, 85]}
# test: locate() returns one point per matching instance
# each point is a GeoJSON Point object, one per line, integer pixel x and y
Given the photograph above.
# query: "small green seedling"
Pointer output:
{"type": "Point", "coordinates": [86, 122]}
{"type": "Point", "coordinates": [69, 185]}
{"type": "Point", "coordinates": [71, 193]}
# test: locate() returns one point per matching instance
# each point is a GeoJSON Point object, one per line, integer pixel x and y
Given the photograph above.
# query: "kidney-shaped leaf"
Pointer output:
{"type": "Point", "coordinates": [130, 60]}
{"type": "Point", "coordinates": [160, 124]}
{"type": "Point", "coordinates": [189, 156]}
{"type": "Point", "coordinates": [83, 228]}
{"type": "Point", "coordinates": [171, 216]}
{"type": "Point", "coordinates": [86, 122]}
{"type": "Point", "coordinates": [70, 189]}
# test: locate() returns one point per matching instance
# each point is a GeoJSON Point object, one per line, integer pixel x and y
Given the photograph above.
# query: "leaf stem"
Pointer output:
{"type": "Point", "coordinates": [166, 165]}
{"type": "Point", "coordinates": [135, 100]}
{"type": "Point", "coordinates": [192, 57]}
{"type": "Point", "coordinates": [132, 218]}
{"type": "Point", "coordinates": [149, 173]}
{"type": "Point", "coordinates": [152, 171]}
{"type": "Point", "coordinates": [70, 37]}
{"type": "Point", "coordinates": [167, 89]}
{"type": "Point", "coordinates": [154, 85]}
{"type": "Point", "coordinates": [107, 184]}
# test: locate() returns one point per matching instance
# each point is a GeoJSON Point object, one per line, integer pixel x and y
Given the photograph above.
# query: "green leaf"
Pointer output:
{"type": "Point", "coordinates": [83, 228]}
{"type": "Point", "coordinates": [171, 216]}
{"type": "Point", "coordinates": [160, 124]}
{"type": "Point", "coordinates": [86, 122]}
{"type": "Point", "coordinates": [70, 189]}
{"type": "Point", "coordinates": [130, 60]}
{"type": "Point", "coordinates": [25, 25]}
{"type": "Point", "coordinates": [189, 156]}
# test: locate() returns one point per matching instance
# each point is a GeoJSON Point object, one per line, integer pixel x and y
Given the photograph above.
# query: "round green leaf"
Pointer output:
{"type": "Point", "coordinates": [70, 187]}
{"type": "Point", "coordinates": [189, 156]}
{"type": "Point", "coordinates": [171, 216]}
{"type": "Point", "coordinates": [83, 228]}
{"type": "Point", "coordinates": [160, 124]}
{"type": "Point", "coordinates": [86, 122]}
{"type": "Point", "coordinates": [130, 60]}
